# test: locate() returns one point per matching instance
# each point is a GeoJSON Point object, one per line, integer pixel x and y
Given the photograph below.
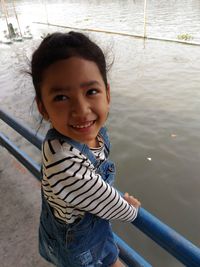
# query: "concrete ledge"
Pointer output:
{"type": "Point", "coordinates": [19, 213]}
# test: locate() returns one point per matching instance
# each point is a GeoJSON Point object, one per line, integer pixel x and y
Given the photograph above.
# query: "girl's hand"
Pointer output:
{"type": "Point", "coordinates": [132, 201]}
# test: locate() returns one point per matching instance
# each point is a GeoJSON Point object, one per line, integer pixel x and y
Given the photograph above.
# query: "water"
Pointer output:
{"type": "Point", "coordinates": [154, 119]}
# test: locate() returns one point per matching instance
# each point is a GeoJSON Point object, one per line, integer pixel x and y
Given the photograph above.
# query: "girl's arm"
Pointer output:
{"type": "Point", "coordinates": [73, 179]}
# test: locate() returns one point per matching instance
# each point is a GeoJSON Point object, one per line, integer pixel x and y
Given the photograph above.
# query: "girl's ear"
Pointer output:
{"type": "Point", "coordinates": [108, 93]}
{"type": "Point", "coordinates": [42, 109]}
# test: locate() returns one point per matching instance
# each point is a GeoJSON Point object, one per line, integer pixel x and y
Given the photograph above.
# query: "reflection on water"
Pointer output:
{"type": "Point", "coordinates": [155, 103]}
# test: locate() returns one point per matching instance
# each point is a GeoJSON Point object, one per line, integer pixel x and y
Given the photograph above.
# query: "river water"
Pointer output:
{"type": "Point", "coordinates": [154, 119]}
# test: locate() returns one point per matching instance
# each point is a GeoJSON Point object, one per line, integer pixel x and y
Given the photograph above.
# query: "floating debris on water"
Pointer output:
{"type": "Point", "coordinates": [173, 135]}
{"type": "Point", "coordinates": [185, 37]}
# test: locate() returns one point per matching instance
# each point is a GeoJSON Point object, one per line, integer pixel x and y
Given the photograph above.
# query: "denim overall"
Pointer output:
{"type": "Point", "coordinates": [88, 241]}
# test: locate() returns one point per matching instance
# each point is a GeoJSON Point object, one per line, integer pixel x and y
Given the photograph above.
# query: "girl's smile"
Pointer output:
{"type": "Point", "coordinates": [83, 126]}
{"type": "Point", "coordinates": [75, 99]}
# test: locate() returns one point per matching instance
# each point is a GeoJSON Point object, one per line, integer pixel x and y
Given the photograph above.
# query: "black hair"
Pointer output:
{"type": "Point", "coordinates": [59, 46]}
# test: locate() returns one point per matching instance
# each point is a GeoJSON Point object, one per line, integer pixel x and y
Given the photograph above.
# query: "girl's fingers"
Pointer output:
{"type": "Point", "coordinates": [132, 200]}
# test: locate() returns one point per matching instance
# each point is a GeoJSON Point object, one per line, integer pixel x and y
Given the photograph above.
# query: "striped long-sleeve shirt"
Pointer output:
{"type": "Point", "coordinates": [72, 186]}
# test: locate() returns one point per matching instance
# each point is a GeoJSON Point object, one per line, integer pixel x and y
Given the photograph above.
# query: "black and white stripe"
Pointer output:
{"type": "Point", "coordinates": [72, 186]}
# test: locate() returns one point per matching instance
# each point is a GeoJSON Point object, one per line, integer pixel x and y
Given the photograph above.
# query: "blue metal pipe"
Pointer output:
{"type": "Point", "coordinates": [35, 139]}
{"type": "Point", "coordinates": [130, 256]}
{"type": "Point", "coordinates": [27, 161]}
{"type": "Point", "coordinates": [166, 237]}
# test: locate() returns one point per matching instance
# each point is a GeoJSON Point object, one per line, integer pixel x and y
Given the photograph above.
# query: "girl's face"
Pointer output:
{"type": "Point", "coordinates": [75, 99]}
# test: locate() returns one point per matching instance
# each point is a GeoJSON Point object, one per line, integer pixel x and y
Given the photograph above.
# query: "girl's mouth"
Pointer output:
{"type": "Point", "coordinates": [83, 126]}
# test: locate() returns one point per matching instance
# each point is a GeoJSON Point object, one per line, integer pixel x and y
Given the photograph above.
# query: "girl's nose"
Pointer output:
{"type": "Point", "coordinates": [80, 107]}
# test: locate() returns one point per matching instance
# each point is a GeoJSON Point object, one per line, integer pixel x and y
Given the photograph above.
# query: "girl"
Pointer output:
{"type": "Point", "coordinates": [78, 200]}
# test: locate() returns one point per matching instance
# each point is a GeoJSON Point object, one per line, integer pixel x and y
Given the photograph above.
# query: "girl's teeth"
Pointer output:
{"type": "Point", "coordinates": [83, 126]}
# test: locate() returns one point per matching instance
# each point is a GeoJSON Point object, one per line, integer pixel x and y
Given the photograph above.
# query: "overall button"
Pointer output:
{"type": "Point", "coordinates": [111, 168]}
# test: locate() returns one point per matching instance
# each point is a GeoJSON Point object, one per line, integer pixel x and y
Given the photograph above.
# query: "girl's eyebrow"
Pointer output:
{"type": "Point", "coordinates": [89, 83]}
{"type": "Point", "coordinates": [58, 89]}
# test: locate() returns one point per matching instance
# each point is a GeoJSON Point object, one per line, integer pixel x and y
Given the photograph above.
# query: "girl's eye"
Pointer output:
{"type": "Point", "coordinates": [92, 92]}
{"type": "Point", "coordinates": [60, 98]}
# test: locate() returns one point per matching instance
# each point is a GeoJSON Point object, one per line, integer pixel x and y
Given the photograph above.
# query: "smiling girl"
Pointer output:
{"type": "Point", "coordinates": [78, 200]}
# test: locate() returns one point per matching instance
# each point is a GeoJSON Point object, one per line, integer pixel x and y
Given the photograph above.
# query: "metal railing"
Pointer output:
{"type": "Point", "coordinates": [182, 249]}
{"type": "Point", "coordinates": [140, 36]}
